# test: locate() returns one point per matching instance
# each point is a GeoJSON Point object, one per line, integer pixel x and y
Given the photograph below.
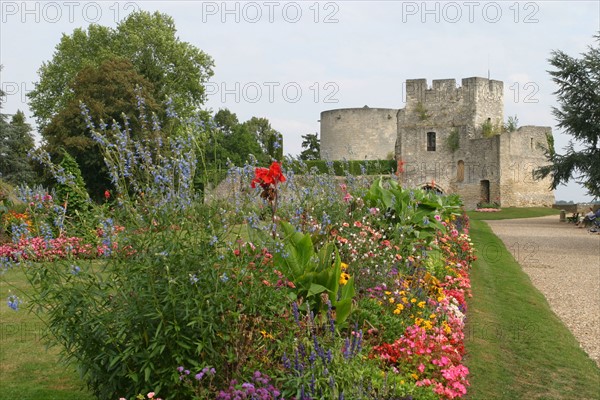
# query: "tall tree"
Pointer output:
{"type": "Point", "coordinates": [109, 91]}
{"type": "Point", "coordinates": [311, 146]}
{"type": "Point", "coordinates": [578, 95]}
{"type": "Point", "coordinates": [176, 69]}
{"type": "Point", "coordinates": [226, 121]}
{"type": "Point", "coordinates": [16, 140]}
{"type": "Point", "coordinates": [270, 141]}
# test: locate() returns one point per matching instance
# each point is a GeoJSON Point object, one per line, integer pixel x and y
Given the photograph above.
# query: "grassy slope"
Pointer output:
{"type": "Point", "coordinates": [27, 370]}
{"type": "Point", "coordinates": [517, 347]}
{"type": "Point", "coordinates": [513, 212]}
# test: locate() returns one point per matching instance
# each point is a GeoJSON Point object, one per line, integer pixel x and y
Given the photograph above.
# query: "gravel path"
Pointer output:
{"type": "Point", "coordinates": [563, 262]}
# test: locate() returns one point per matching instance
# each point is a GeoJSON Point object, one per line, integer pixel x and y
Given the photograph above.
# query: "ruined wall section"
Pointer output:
{"type": "Point", "coordinates": [358, 133]}
{"type": "Point", "coordinates": [521, 152]}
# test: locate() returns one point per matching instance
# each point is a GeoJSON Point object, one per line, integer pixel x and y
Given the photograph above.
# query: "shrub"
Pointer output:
{"type": "Point", "coordinates": [71, 187]}
{"type": "Point", "coordinates": [453, 140]}
{"type": "Point", "coordinates": [343, 168]}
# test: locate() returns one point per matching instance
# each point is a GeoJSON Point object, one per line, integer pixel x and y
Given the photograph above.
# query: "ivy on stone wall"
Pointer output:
{"type": "Point", "coordinates": [452, 141]}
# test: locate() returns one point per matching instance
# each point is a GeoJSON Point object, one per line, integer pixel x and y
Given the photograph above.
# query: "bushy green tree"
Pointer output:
{"type": "Point", "coordinates": [112, 93]}
{"type": "Point", "coordinates": [578, 95]}
{"type": "Point", "coordinates": [270, 141]}
{"type": "Point", "coordinates": [176, 69]}
{"type": "Point", "coordinates": [16, 140]}
{"type": "Point", "coordinates": [237, 141]}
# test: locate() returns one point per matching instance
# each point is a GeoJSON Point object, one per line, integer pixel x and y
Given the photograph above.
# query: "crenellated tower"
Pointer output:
{"type": "Point", "coordinates": [449, 137]}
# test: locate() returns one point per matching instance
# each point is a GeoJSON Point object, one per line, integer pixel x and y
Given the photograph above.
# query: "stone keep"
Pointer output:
{"type": "Point", "coordinates": [486, 163]}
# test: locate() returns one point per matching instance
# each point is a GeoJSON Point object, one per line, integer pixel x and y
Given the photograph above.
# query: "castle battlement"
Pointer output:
{"type": "Point", "coordinates": [472, 90]}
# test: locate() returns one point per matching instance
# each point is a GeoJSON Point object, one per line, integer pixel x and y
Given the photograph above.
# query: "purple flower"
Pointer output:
{"type": "Point", "coordinates": [13, 302]}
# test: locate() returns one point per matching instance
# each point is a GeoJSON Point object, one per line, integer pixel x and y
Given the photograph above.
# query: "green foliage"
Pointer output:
{"type": "Point", "coordinates": [550, 142]}
{"type": "Point", "coordinates": [71, 190]}
{"type": "Point", "coordinates": [311, 146]}
{"type": "Point", "coordinates": [270, 141]}
{"type": "Point", "coordinates": [110, 93]}
{"type": "Point", "coordinates": [578, 114]}
{"type": "Point", "coordinates": [343, 168]}
{"type": "Point", "coordinates": [487, 129]}
{"type": "Point", "coordinates": [176, 69]}
{"type": "Point", "coordinates": [129, 322]}
{"type": "Point", "coordinates": [422, 111]}
{"type": "Point", "coordinates": [238, 143]}
{"type": "Point", "coordinates": [315, 274]}
{"type": "Point", "coordinates": [453, 140]}
{"type": "Point", "coordinates": [16, 140]}
{"type": "Point", "coordinates": [412, 210]}
{"type": "Point", "coordinates": [511, 124]}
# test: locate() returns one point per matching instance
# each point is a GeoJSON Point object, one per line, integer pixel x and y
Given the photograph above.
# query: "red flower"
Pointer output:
{"type": "Point", "coordinates": [106, 194]}
{"type": "Point", "coordinates": [265, 177]}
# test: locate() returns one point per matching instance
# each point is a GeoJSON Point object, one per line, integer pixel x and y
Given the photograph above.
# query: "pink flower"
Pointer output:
{"type": "Point", "coordinates": [150, 395]}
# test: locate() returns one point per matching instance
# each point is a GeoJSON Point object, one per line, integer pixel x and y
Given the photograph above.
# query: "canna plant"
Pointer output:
{"type": "Point", "coordinates": [315, 279]}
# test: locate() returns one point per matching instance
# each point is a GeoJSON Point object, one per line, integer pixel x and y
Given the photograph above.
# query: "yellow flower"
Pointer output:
{"type": "Point", "coordinates": [400, 307]}
{"type": "Point", "coordinates": [404, 300]}
{"type": "Point", "coordinates": [446, 327]}
{"type": "Point", "coordinates": [397, 311]}
{"type": "Point", "coordinates": [432, 316]}
{"type": "Point", "coordinates": [391, 300]}
{"type": "Point", "coordinates": [413, 300]}
{"type": "Point", "coordinates": [344, 266]}
{"type": "Point", "coordinates": [344, 277]}
{"type": "Point", "coordinates": [387, 292]}
{"type": "Point", "coordinates": [415, 376]}
{"type": "Point", "coordinates": [266, 335]}
{"type": "Point", "coordinates": [421, 304]}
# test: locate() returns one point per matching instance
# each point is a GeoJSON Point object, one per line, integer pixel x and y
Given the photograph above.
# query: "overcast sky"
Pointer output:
{"type": "Point", "coordinates": [288, 61]}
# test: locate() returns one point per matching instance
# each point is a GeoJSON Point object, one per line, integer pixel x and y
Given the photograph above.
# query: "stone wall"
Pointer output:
{"type": "Point", "coordinates": [522, 152]}
{"type": "Point", "coordinates": [358, 133]}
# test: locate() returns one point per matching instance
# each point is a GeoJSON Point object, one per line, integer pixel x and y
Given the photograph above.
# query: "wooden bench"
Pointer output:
{"type": "Point", "coordinates": [573, 218]}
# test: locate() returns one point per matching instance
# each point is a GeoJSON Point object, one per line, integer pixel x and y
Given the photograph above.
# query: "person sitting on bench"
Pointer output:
{"type": "Point", "coordinates": [589, 218]}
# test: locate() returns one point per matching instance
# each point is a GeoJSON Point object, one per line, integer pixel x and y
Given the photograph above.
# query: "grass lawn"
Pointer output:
{"type": "Point", "coordinates": [517, 348]}
{"type": "Point", "coordinates": [28, 371]}
{"type": "Point", "coordinates": [513, 212]}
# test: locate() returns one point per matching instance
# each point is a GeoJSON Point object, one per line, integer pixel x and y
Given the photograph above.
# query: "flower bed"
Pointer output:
{"type": "Point", "coordinates": [354, 292]}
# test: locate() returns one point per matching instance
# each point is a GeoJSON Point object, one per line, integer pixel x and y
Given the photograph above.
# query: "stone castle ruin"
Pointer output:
{"type": "Point", "coordinates": [448, 138]}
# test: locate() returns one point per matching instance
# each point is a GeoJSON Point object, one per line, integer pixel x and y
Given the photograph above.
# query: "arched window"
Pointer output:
{"type": "Point", "coordinates": [460, 171]}
{"type": "Point", "coordinates": [430, 141]}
